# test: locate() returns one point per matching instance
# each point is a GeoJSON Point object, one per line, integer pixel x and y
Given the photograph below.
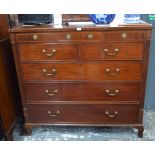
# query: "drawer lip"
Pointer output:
{"type": "Point", "coordinates": [83, 102]}
{"type": "Point", "coordinates": [87, 124]}
{"type": "Point", "coordinates": [84, 114]}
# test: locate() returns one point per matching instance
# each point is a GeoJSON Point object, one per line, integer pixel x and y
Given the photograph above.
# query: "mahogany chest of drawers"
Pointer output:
{"type": "Point", "coordinates": [92, 76]}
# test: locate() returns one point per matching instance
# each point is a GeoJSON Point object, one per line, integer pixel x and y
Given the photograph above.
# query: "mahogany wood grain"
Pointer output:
{"type": "Point", "coordinates": [69, 114]}
{"type": "Point", "coordinates": [92, 36]}
{"type": "Point", "coordinates": [75, 17]}
{"type": "Point", "coordinates": [37, 91]}
{"type": "Point", "coordinates": [69, 71]}
{"type": "Point", "coordinates": [80, 36]}
{"type": "Point", "coordinates": [68, 36]}
{"type": "Point", "coordinates": [82, 71]}
{"type": "Point", "coordinates": [82, 91]}
{"type": "Point", "coordinates": [42, 37]}
{"type": "Point", "coordinates": [98, 71]}
{"type": "Point", "coordinates": [44, 52]}
{"type": "Point", "coordinates": [4, 24]}
{"type": "Point", "coordinates": [10, 103]}
{"type": "Point", "coordinates": [130, 35]}
{"type": "Point", "coordinates": [112, 51]}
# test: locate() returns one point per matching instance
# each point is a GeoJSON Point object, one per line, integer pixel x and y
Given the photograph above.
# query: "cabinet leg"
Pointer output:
{"type": "Point", "coordinates": [140, 132]}
{"type": "Point", "coordinates": [9, 137]}
{"type": "Point", "coordinates": [27, 130]}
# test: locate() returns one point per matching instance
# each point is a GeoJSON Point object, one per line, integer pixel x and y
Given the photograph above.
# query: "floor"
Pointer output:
{"type": "Point", "coordinates": [64, 133]}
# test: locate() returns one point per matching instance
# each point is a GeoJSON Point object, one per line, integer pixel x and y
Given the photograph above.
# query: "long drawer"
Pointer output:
{"type": "Point", "coordinates": [83, 114]}
{"type": "Point", "coordinates": [48, 52]}
{"type": "Point", "coordinates": [82, 91]}
{"type": "Point", "coordinates": [82, 71]}
{"type": "Point", "coordinates": [112, 51]}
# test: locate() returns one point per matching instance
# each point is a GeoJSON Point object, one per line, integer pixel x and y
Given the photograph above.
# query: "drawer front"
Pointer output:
{"type": "Point", "coordinates": [51, 71]}
{"type": "Point", "coordinates": [49, 52]}
{"type": "Point", "coordinates": [112, 71]}
{"type": "Point", "coordinates": [35, 37]}
{"type": "Point", "coordinates": [85, 71]}
{"type": "Point", "coordinates": [112, 51]}
{"type": "Point", "coordinates": [82, 91]}
{"type": "Point", "coordinates": [125, 35]}
{"type": "Point", "coordinates": [92, 36]}
{"type": "Point", "coordinates": [83, 114]}
{"type": "Point", "coordinates": [42, 92]}
{"type": "Point", "coordinates": [68, 36]}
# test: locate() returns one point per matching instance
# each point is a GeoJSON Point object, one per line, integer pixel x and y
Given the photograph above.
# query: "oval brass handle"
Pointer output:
{"type": "Point", "coordinates": [111, 115]}
{"type": "Point", "coordinates": [68, 36]}
{"type": "Point", "coordinates": [112, 92]}
{"type": "Point", "coordinates": [35, 37]}
{"type": "Point", "coordinates": [113, 53]}
{"type": "Point", "coordinates": [53, 113]}
{"type": "Point", "coordinates": [124, 35]}
{"type": "Point", "coordinates": [90, 36]}
{"type": "Point", "coordinates": [51, 94]}
{"type": "Point", "coordinates": [112, 72]}
{"type": "Point", "coordinates": [53, 51]}
{"type": "Point", "coordinates": [49, 74]}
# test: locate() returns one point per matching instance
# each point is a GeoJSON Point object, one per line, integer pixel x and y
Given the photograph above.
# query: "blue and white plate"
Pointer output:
{"type": "Point", "coordinates": [102, 18]}
{"type": "Point", "coordinates": [132, 18]}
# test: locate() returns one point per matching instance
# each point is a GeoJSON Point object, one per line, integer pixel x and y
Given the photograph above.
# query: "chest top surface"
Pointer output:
{"type": "Point", "coordinates": [45, 28]}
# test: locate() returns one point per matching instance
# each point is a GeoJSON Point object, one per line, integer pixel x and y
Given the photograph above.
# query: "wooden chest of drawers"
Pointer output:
{"type": "Point", "coordinates": [93, 77]}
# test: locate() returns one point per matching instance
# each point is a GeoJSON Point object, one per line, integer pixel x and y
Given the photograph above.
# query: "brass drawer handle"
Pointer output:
{"type": "Point", "coordinates": [112, 93]}
{"type": "Point", "coordinates": [111, 115]}
{"type": "Point", "coordinates": [90, 36]}
{"type": "Point", "coordinates": [35, 37]}
{"type": "Point", "coordinates": [51, 94]}
{"type": "Point", "coordinates": [53, 113]}
{"type": "Point", "coordinates": [112, 72]}
{"type": "Point", "coordinates": [124, 35]}
{"type": "Point", "coordinates": [52, 52]}
{"type": "Point", "coordinates": [68, 36]}
{"type": "Point", "coordinates": [49, 74]}
{"type": "Point", "coordinates": [113, 53]}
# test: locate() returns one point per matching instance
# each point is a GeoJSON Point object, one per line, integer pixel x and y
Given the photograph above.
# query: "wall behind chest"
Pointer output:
{"type": "Point", "coordinates": [150, 87]}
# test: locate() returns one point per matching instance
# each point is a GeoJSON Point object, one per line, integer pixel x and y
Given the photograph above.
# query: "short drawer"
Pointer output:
{"type": "Point", "coordinates": [35, 37]}
{"type": "Point", "coordinates": [110, 71]}
{"type": "Point", "coordinates": [92, 36]}
{"type": "Point", "coordinates": [69, 36]}
{"type": "Point", "coordinates": [82, 91]}
{"type": "Point", "coordinates": [125, 35]}
{"type": "Point", "coordinates": [48, 52]}
{"type": "Point", "coordinates": [82, 71]}
{"type": "Point", "coordinates": [83, 114]}
{"type": "Point", "coordinates": [112, 51]}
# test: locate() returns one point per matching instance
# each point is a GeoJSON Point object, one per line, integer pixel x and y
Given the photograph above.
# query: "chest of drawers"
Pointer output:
{"type": "Point", "coordinates": [92, 77]}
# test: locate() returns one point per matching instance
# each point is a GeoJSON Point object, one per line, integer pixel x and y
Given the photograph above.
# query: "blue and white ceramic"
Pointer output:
{"type": "Point", "coordinates": [102, 18]}
{"type": "Point", "coordinates": [132, 18]}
